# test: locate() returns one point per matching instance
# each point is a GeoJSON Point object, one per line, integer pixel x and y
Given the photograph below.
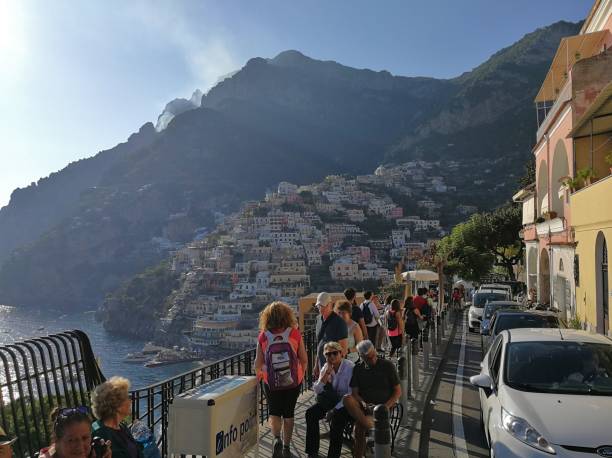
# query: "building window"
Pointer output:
{"type": "Point", "coordinates": [577, 270]}
{"type": "Point", "coordinates": [560, 265]}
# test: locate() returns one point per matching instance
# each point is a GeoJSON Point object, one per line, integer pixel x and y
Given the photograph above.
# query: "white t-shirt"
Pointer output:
{"type": "Point", "coordinates": [373, 311]}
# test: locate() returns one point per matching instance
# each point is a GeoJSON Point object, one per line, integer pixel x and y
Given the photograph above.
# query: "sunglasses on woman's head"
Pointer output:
{"type": "Point", "coordinates": [68, 412]}
{"type": "Point", "coordinates": [332, 353]}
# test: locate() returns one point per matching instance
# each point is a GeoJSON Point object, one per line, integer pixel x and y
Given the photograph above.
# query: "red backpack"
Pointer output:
{"type": "Point", "coordinates": [281, 362]}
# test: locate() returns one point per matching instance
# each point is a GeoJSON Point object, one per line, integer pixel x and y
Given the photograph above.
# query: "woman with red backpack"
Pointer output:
{"type": "Point", "coordinates": [395, 326]}
{"type": "Point", "coordinates": [281, 362]}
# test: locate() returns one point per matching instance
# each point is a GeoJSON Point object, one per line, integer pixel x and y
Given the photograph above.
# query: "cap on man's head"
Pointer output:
{"type": "Point", "coordinates": [323, 299]}
{"type": "Point", "coordinates": [5, 439]}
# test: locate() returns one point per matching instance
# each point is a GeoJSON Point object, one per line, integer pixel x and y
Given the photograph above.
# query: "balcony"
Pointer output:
{"type": "Point", "coordinates": [557, 87]}
{"type": "Point", "coordinates": [590, 206]}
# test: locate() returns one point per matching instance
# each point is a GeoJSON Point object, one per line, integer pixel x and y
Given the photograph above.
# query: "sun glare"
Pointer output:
{"type": "Point", "coordinates": [12, 35]}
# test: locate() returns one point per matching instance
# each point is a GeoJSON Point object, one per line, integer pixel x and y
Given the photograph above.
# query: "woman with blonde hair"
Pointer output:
{"type": "Point", "coordinates": [111, 404]}
{"type": "Point", "coordinates": [281, 362]}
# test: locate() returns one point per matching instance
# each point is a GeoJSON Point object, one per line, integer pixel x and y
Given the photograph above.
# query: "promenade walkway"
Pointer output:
{"type": "Point", "coordinates": [408, 438]}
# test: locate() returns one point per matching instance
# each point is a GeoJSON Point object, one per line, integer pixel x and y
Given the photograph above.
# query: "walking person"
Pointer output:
{"type": "Point", "coordinates": [370, 317]}
{"type": "Point", "coordinates": [332, 385]}
{"type": "Point", "coordinates": [395, 326]}
{"type": "Point", "coordinates": [381, 339]}
{"type": "Point", "coordinates": [329, 328]}
{"type": "Point", "coordinates": [356, 313]}
{"type": "Point", "coordinates": [280, 347]}
{"type": "Point", "coordinates": [343, 309]}
{"type": "Point", "coordinates": [412, 317]}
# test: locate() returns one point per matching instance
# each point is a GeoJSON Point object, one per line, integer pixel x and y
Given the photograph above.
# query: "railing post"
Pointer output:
{"type": "Point", "coordinates": [440, 332]}
{"type": "Point", "coordinates": [434, 337]}
{"type": "Point", "coordinates": [382, 432]}
{"type": "Point", "coordinates": [414, 364]}
{"type": "Point", "coordinates": [404, 376]}
{"type": "Point", "coordinates": [426, 346]}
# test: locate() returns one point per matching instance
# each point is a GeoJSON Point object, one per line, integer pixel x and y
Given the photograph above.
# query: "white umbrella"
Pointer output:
{"type": "Point", "coordinates": [420, 275]}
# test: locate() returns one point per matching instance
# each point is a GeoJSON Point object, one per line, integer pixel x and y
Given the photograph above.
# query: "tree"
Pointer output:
{"type": "Point", "coordinates": [483, 241]}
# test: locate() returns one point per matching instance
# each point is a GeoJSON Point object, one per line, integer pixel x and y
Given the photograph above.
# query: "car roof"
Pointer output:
{"type": "Point", "coordinates": [554, 335]}
{"type": "Point", "coordinates": [495, 286]}
{"type": "Point", "coordinates": [505, 303]}
{"type": "Point", "coordinates": [525, 312]}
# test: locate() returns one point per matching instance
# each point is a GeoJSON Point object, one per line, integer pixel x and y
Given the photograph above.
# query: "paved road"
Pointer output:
{"type": "Point", "coordinates": [453, 415]}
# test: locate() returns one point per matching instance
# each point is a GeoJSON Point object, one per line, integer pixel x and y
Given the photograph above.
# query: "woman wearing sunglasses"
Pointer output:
{"type": "Point", "coordinates": [112, 405]}
{"type": "Point", "coordinates": [71, 434]}
{"type": "Point", "coordinates": [332, 385]}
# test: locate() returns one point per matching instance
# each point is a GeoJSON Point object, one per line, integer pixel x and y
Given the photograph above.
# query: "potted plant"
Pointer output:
{"type": "Point", "coordinates": [608, 160]}
{"type": "Point", "coordinates": [571, 183]}
{"type": "Point", "coordinates": [550, 215]}
{"type": "Point", "coordinates": [586, 174]}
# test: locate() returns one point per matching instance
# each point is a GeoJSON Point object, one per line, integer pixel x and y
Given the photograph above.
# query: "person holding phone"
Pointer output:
{"type": "Point", "coordinates": [112, 405]}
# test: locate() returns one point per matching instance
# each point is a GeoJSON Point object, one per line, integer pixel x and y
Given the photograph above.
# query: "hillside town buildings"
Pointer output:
{"type": "Point", "coordinates": [567, 214]}
{"type": "Point", "coordinates": [294, 241]}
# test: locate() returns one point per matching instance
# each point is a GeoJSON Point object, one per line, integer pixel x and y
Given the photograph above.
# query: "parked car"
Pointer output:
{"type": "Point", "coordinates": [497, 286]}
{"type": "Point", "coordinates": [479, 301]}
{"type": "Point", "coordinates": [547, 392]}
{"type": "Point", "coordinates": [514, 319]}
{"type": "Point", "coordinates": [492, 307]}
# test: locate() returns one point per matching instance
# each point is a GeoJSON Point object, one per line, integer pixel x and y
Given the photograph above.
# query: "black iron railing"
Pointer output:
{"type": "Point", "coordinates": [60, 370]}
{"type": "Point", "coordinates": [38, 375]}
{"type": "Point", "coordinates": [151, 404]}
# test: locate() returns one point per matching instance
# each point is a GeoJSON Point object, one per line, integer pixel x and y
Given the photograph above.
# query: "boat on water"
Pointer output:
{"type": "Point", "coordinates": [151, 349]}
{"type": "Point", "coordinates": [136, 358]}
{"type": "Point", "coordinates": [173, 356]}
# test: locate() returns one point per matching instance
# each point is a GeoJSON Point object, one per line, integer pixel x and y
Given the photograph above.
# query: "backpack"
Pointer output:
{"type": "Point", "coordinates": [391, 321]}
{"type": "Point", "coordinates": [410, 319]}
{"type": "Point", "coordinates": [367, 313]}
{"type": "Point", "coordinates": [281, 362]}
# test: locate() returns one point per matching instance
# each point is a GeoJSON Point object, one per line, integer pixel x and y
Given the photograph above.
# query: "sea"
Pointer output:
{"type": "Point", "coordinates": [18, 324]}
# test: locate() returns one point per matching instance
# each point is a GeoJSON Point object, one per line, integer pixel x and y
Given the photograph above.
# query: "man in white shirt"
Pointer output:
{"type": "Point", "coordinates": [333, 383]}
{"type": "Point", "coordinates": [373, 324]}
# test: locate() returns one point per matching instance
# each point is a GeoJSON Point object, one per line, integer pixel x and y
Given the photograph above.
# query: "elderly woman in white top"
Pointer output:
{"type": "Point", "coordinates": [332, 385]}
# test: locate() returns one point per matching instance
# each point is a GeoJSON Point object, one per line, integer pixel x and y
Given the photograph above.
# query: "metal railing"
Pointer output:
{"type": "Point", "coordinates": [151, 404]}
{"type": "Point", "coordinates": [38, 375]}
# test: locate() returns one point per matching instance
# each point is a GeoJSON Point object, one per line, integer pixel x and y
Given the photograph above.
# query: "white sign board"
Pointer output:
{"type": "Point", "coordinates": [217, 419]}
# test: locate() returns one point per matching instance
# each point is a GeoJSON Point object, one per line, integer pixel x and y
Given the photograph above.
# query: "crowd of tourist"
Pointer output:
{"type": "Point", "coordinates": [353, 373]}
{"type": "Point", "coordinates": [353, 370]}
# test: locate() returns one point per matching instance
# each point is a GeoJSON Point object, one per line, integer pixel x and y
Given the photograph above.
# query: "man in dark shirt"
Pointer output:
{"type": "Point", "coordinates": [375, 381]}
{"type": "Point", "coordinates": [357, 313]}
{"type": "Point", "coordinates": [330, 328]}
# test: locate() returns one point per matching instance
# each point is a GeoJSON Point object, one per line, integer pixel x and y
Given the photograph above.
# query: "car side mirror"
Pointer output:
{"type": "Point", "coordinates": [482, 381]}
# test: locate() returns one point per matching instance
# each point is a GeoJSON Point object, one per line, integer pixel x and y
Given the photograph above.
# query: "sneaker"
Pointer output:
{"type": "Point", "coordinates": [278, 449]}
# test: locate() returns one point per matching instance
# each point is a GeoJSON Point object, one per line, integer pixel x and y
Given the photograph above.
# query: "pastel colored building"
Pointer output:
{"type": "Point", "coordinates": [562, 223]}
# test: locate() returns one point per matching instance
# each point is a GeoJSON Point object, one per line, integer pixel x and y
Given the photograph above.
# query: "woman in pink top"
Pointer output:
{"type": "Point", "coordinates": [277, 322]}
{"type": "Point", "coordinates": [395, 321]}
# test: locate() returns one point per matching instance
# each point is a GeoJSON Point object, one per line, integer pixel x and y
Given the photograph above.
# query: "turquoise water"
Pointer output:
{"type": "Point", "coordinates": [19, 324]}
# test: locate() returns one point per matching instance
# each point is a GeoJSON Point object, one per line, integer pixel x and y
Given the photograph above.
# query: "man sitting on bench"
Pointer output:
{"type": "Point", "coordinates": [374, 381]}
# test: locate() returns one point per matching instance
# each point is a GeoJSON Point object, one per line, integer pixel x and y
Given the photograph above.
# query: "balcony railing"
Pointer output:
{"type": "Point", "coordinates": [151, 404]}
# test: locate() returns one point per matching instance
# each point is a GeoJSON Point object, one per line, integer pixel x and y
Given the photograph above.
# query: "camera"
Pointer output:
{"type": "Point", "coordinates": [99, 446]}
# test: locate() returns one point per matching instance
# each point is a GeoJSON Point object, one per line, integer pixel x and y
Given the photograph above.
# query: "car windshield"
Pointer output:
{"type": "Point", "coordinates": [524, 320]}
{"type": "Point", "coordinates": [480, 299]}
{"type": "Point", "coordinates": [559, 367]}
{"type": "Point", "coordinates": [491, 308]}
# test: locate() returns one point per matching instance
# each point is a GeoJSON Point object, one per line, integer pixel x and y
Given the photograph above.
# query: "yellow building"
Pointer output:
{"type": "Point", "coordinates": [591, 209]}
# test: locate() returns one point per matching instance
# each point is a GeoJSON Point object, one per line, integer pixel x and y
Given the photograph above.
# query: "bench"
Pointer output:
{"type": "Point", "coordinates": [395, 419]}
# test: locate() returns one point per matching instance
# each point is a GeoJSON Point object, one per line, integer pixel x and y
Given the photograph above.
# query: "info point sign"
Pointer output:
{"type": "Point", "coordinates": [217, 419]}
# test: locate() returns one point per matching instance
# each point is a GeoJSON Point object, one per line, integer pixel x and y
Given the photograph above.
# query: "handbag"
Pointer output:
{"type": "Point", "coordinates": [328, 398]}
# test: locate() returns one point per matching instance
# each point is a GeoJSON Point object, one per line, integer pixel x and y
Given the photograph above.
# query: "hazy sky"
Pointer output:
{"type": "Point", "coordinates": [78, 77]}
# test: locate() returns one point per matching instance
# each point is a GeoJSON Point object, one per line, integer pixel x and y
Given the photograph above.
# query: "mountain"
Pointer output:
{"type": "Point", "coordinates": [75, 236]}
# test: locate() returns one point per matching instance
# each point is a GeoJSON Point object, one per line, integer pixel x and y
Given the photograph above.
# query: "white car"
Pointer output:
{"type": "Point", "coordinates": [497, 287]}
{"type": "Point", "coordinates": [547, 392]}
{"type": "Point", "coordinates": [477, 308]}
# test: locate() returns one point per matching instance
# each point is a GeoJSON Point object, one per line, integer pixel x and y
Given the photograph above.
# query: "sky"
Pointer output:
{"type": "Point", "coordinates": [79, 77]}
